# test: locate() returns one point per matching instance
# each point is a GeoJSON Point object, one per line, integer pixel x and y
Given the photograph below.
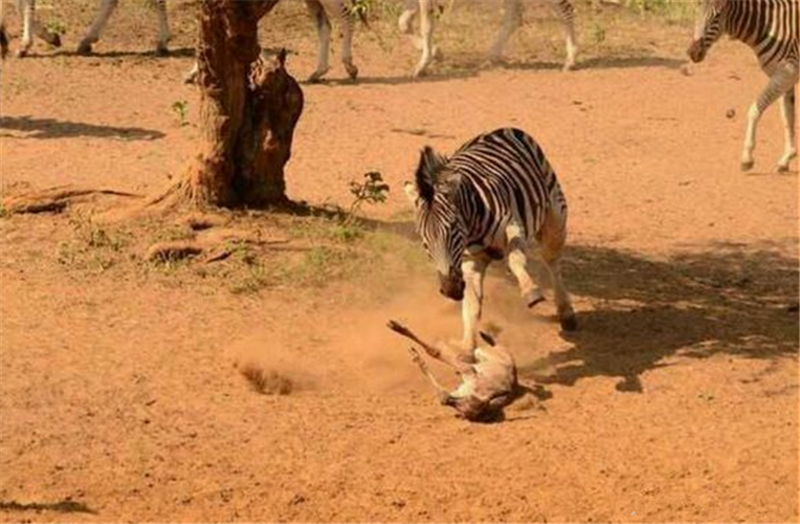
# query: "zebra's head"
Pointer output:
{"type": "Point", "coordinates": [708, 27]}
{"type": "Point", "coordinates": [440, 222]}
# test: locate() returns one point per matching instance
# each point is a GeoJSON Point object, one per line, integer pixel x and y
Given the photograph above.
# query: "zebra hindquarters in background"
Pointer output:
{"type": "Point", "coordinates": [494, 198]}
{"type": "Point", "coordinates": [770, 28]}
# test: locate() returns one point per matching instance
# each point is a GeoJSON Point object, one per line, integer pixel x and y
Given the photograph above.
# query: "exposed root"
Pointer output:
{"type": "Point", "coordinates": [56, 199]}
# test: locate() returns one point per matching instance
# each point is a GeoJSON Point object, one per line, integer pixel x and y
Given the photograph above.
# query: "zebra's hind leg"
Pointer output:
{"type": "Point", "coordinates": [518, 264]}
{"type": "Point", "coordinates": [788, 108]}
{"type": "Point", "coordinates": [781, 81]}
{"type": "Point", "coordinates": [348, 27]}
{"type": "Point", "coordinates": [164, 36]}
{"type": "Point", "coordinates": [553, 237]}
{"type": "Point", "coordinates": [474, 269]}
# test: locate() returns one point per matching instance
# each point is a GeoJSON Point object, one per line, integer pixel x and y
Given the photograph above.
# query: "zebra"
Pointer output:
{"type": "Point", "coordinates": [770, 28]}
{"type": "Point", "coordinates": [512, 19]}
{"type": "Point", "coordinates": [494, 197]}
{"type": "Point", "coordinates": [27, 10]}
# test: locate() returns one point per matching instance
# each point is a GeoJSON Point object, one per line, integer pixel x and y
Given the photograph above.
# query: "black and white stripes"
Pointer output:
{"type": "Point", "coordinates": [496, 195]}
{"type": "Point", "coordinates": [770, 28]}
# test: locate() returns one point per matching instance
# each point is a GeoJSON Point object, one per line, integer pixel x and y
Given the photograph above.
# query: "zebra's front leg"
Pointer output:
{"type": "Point", "coordinates": [788, 112]}
{"type": "Point", "coordinates": [572, 46]}
{"type": "Point", "coordinates": [518, 264]}
{"type": "Point", "coordinates": [324, 35]}
{"type": "Point", "coordinates": [473, 270]}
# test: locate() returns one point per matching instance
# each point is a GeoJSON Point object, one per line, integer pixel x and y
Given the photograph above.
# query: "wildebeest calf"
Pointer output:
{"type": "Point", "coordinates": [488, 385]}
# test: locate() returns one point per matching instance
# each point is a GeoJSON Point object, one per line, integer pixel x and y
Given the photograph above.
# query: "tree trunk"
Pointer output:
{"type": "Point", "coordinates": [249, 108]}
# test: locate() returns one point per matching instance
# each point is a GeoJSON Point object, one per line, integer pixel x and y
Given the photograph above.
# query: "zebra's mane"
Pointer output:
{"type": "Point", "coordinates": [432, 175]}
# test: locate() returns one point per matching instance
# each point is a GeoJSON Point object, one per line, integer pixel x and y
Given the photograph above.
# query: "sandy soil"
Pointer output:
{"type": "Point", "coordinates": [677, 400]}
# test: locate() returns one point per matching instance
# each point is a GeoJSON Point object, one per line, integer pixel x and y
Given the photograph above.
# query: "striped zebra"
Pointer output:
{"type": "Point", "coordinates": [770, 28]}
{"type": "Point", "coordinates": [512, 19]}
{"type": "Point", "coordinates": [494, 197]}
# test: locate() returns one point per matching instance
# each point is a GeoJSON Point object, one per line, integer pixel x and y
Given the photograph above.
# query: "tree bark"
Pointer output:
{"type": "Point", "coordinates": [249, 108]}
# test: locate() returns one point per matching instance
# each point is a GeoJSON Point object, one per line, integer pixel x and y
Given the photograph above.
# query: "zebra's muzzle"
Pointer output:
{"type": "Point", "coordinates": [452, 287]}
{"type": "Point", "coordinates": [697, 51]}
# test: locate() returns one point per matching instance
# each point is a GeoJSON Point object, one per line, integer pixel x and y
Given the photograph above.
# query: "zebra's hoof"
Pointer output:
{"type": "Point", "coordinates": [782, 169]}
{"type": "Point", "coordinates": [747, 165]}
{"type": "Point", "coordinates": [568, 67]}
{"type": "Point", "coordinates": [568, 322]}
{"type": "Point", "coordinates": [84, 49]}
{"type": "Point", "coordinates": [162, 50]}
{"type": "Point", "coordinates": [22, 53]}
{"type": "Point", "coordinates": [352, 71]}
{"type": "Point", "coordinates": [56, 40]}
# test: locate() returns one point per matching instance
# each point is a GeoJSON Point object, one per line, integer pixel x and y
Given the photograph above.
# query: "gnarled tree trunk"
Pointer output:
{"type": "Point", "coordinates": [249, 108]}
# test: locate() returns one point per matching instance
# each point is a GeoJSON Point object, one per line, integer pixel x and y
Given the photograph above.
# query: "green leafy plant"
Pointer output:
{"type": "Point", "coordinates": [373, 190]}
{"type": "Point", "coordinates": [181, 109]}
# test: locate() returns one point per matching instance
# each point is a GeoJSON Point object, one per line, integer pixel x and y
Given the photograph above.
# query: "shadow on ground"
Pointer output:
{"type": "Point", "coordinates": [48, 128]}
{"type": "Point", "coordinates": [728, 299]}
{"type": "Point", "coordinates": [64, 506]}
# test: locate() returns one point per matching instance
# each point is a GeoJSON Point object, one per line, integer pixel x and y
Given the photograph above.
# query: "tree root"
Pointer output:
{"type": "Point", "coordinates": [55, 199]}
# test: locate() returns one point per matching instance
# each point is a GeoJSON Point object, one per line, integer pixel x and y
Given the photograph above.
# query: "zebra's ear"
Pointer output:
{"type": "Point", "coordinates": [430, 163]}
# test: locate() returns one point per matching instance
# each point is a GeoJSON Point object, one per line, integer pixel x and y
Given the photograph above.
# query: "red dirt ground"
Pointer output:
{"type": "Point", "coordinates": [677, 400]}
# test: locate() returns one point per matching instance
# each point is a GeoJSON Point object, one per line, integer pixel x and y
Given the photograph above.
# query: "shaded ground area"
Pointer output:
{"type": "Point", "coordinates": [121, 395]}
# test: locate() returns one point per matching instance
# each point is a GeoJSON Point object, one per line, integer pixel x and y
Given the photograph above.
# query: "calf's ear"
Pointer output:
{"type": "Point", "coordinates": [411, 192]}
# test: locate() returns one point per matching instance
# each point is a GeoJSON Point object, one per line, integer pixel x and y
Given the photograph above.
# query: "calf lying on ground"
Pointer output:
{"type": "Point", "coordinates": [488, 385]}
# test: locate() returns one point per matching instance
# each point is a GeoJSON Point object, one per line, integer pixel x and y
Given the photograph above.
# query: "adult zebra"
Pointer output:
{"type": "Point", "coordinates": [495, 196]}
{"type": "Point", "coordinates": [770, 28]}
{"type": "Point", "coordinates": [512, 19]}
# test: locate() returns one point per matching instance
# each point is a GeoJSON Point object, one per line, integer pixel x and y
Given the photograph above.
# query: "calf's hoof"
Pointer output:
{"type": "Point", "coordinates": [568, 322]}
{"type": "Point", "coordinates": [533, 298]}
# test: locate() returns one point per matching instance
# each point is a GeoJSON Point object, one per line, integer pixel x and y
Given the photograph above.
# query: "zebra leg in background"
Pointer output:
{"type": "Point", "coordinates": [512, 20]}
{"type": "Point", "coordinates": [426, 22]}
{"type": "Point", "coordinates": [164, 35]}
{"type": "Point", "coordinates": [324, 35]}
{"type": "Point", "coordinates": [788, 108]}
{"type": "Point", "coordinates": [474, 269]}
{"type": "Point", "coordinates": [781, 81]}
{"type": "Point", "coordinates": [406, 20]}
{"type": "Point", "coordinates": [553, 237]}
{"type": "Point", "coordinates": [348, 27]}
{"type": "Point", "coordinates": [27, 12]}
{"type": "Point", "coordinates": [518, 264]}
{"type": "Point", "coordinates": [93, 35]}
{"type": "Point", "coordinates": [566, 13]}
